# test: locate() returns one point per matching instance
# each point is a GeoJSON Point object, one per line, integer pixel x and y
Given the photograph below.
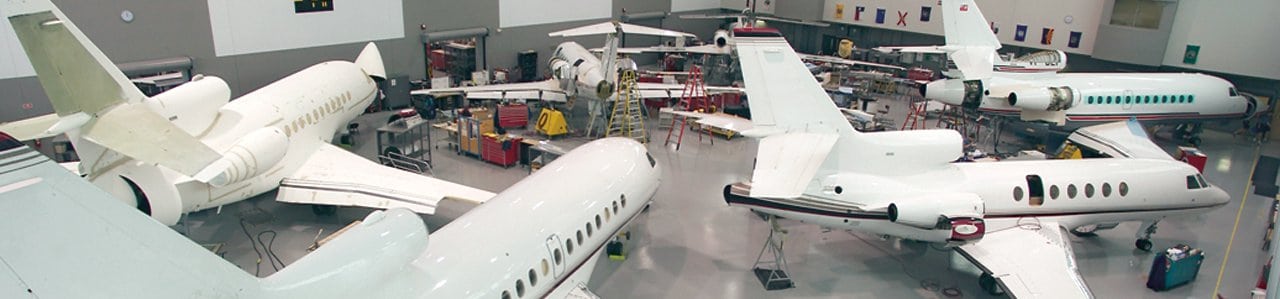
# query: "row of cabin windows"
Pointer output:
{"type": "Point", "coordinates": [557, 257]}
{"type": "Point", "coordinates": [1035, 194]}
{"type": "Point", "coordinates": [1145, 99]}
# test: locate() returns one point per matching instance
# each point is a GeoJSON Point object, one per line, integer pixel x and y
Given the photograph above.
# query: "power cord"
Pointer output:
{"type": "Point", "coordinates": [262, 248]}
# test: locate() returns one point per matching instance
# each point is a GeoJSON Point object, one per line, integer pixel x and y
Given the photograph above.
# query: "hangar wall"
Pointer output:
{"type": "Point", "coordinates": [1237, 38]}
{"type": "Point", "coordinates": [164, 29]}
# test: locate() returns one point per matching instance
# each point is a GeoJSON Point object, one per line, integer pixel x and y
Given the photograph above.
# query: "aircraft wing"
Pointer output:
{"type": "Point", "coordinates": [1029, 263]}
{"type": "Point", "coordinates": [334, 176]}
{"type": "Point", "coordinates": [915, 49]}
{"type": "Point", "coordinates": [785, 163]}
{"type": "Point", "coordinates": [612, 27]}
{"type": "Point", "coordinates": [838, 60]}
{"type": "Point", "coordinates": [703, 49]}
{"type": "Point", "coordinates": [663, 90]}
{"type": "Point", "coordinates": [546, 90]}
{"type": "Point", "coordinates": [1121, 139]}
{"type": "Point", "coordinates": [575, 286]}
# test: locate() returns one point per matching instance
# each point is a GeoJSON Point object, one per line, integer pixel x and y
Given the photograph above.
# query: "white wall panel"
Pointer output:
{"type": "Point", "coordinates": [515, 13]}
{"type": "Point", "coordinates": [762, 6]}
{"type": "Point", "coordinates": [1239, 37]}
{"type": "Point", "coordinates": [1007, 14]}
{"type": "Point", "coordinates": [13, 60]}
{"type": "Point", "coordinates": [255, 26]}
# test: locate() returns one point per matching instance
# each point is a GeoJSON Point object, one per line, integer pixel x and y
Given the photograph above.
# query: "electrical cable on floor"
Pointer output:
{"type": "Point", "coordinates": [276, 262]}
{"type": "Point", "coordinates": [258, 264]}
{"type": "Point", "coordinates": [926, 284]}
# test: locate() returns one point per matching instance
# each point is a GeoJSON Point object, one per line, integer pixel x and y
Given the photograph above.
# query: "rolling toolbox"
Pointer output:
{"type": "Point", "coordinates": [1174, 267]}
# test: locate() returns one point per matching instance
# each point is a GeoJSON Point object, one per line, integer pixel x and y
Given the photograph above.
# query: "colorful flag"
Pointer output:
{"type": "Point", "coordinates": [839, 11]}
{"type": "Point", "coordinates": [857, 13]}
{"type": "Point", "coordinates": [1193, 53]}
{"type": "Point", "coordinates": [902, 18]}
{"type": "Point", "coordinates": [880, 15]}
{"type": "Point", "coordinates": [1074, 42]}
{"type": "Point", "coordinates": [1021, 33]}
{"type": "Point", "coordinates": [925, 11]}
{"type": "Point", "coordinates": [1046, 36]}
{"type": "Point", "coordinates": [995, 28]}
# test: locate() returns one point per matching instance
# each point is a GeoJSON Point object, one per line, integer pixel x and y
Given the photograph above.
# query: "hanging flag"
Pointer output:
{"type": "Point", "coordinates": [995, 28]}
{"type": "Point", "coordinates": [1074, 42]}
{"type": "Point", "coordinates": [1021, 33]}
{"type": "Point", "coordinates": [925, 11]}
{"type": "Point", "coordinates": [1193, 53]}
{"type": "Point", "coordinates": [857, 13]}
{"type": "Point", "coordinates": [902, 18]}
{"type": "Point", "coordinates": [880, 15]}
{"type": "Point", "coordinates": [1046, 36]}
{"type": "Point", "coordinates": [839, 11]}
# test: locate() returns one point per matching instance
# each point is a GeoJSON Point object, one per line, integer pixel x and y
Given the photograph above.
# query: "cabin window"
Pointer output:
{"type": "Point", "coordinates": [606, 214]}
{"type": "Point", "coordinates": [506, 294]}
{"type": "Point", "coordinates": [1164, 99]}
{"type": "Point", "coordinates": [1035, 190]}
{"type": "Point", "coordinates": [1108, 99]}
{"type": "Point", "coordinates": [1146, 99]}
{"type": "Point", "coordinates": [557, 257]}
{"type": "Point", "coordinates": [1053, 192]}
{"type": "Point", "coordinates": [624, 200]}
{"type": "Point", "coordinates": [1182, 99]}
{"type": "Point", "coordinates": [1017, 193]}
{"type": "Point", "coordinates": [568, 246]}
{"type": "Point", "coordinates": [1192, 183]}
{"type": "Point", "coordinates": [588, 229]}
{"type": "Point", "coordinates": [1106, 189]}
{"type": "Point", "coordinates": [1124, 189]}
{"type": "Point", "coordinates": [1128, 99]}
{"type": "Point", "coordinates": [1088, 190]}
{"type": "Point", "coordinates": [519, 288]}
{"type": "Point", "coordinates": [615, 207]}
{"type": "Point", "coordinates": [1071, 191]}
{"type": "Point", "coordinates": [533, 278]}
{"type": "Point", "coordinates": [546, 267]}
{"type": "Point", "coordinates": [1191, 98]}
{"type": "Point", "coordinates": [1090, 100]}
{"type": "Point", "coordinates": [597, 221]}
{"type": "Point", "coordinates": [579, 237]}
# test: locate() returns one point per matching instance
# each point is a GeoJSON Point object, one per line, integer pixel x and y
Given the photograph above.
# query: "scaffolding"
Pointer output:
{"type": "Point", "coordinates": [627, 120]}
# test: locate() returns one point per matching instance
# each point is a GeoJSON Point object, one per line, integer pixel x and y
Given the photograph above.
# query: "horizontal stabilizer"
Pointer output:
{"type": "Point", "coordinates": [136, 131]}
{"type": "Point", "coordinates": [334, 176]}
{"type": "Point", "coordinates": [915, 49]}
{"type": "Point", "coordinates": [31, 128]}
{"type": "Point", "coordinates": [614, 27]}
{"type": "Point", "coordinates": [974, 62]}
{"type": "Point", "coordinates": [849, 62]}
{"type": "Point", "coordinates": [786, 163]}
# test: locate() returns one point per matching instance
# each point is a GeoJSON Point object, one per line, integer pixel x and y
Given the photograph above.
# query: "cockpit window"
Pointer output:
{"type": "Point", "coordinates": [1232, 91]}
{"type": "Point", "coordinates": [579, 61]}
{"type": "Point", "coordinates": [8, 142]}
{"type": "Point", "coordinates": [1192, 182]}
{"type": "Point", "coordinates": [652, 163]}
{"type": "Point", "coordinates": [1203, 183]}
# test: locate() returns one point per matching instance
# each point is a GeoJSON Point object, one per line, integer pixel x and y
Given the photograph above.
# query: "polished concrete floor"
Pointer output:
{"type": "Point", "coordinates": [690, 244]}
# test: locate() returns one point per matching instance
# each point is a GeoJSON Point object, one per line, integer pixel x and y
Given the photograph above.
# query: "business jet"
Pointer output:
{"type": "Point", "coordinates": [540, 238]}
{"type": "Point", "coordinates": [191, 148]}
{"type": "Point", "coordinates": [576, 72]}
{"type": "Point", "coordinates": [1081, 98]}
{"type": "Point", "coordinates": [813, 166]}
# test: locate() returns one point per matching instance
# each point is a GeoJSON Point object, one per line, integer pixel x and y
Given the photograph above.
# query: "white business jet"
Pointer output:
{"type": "Point", "coordinates": [1062, 98]}
{"type": "Point", "coordinates": [576, 72]}
{"type": "Point", "coordinates": [191, 149]}
{"type": "Point", "coordinates": [814, 167]}
{"type": "Point", "coordinates": [540, 238]}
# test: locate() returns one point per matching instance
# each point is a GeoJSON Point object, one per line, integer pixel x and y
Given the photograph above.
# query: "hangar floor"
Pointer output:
{"type": "Point", "coordinates": [691, 245]}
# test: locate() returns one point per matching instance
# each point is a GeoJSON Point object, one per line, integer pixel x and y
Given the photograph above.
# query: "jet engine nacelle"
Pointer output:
{"type": "Point", "coordinates": [1043, 99]}
{"type": "Point", "coordinates": [193, 105]}
{"type": "Point", "coordinates": [721, 39]}
{"type": "Point", "coordinates": [253, 154]}
{"type": "Point", "coordinates": [956, 92]}
{"type": "Point", "coordinates": [961, 213]}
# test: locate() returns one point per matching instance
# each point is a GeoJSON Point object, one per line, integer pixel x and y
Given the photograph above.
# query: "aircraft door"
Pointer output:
{"type": "Point", "coordinates": [1128, 99]}
{"type": "Point", "coordinates": [556, 255]}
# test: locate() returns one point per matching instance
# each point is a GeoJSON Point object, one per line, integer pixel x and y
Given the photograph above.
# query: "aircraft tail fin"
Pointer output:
{"type": "Point", "coordinates": [90, 95]}
{"type": "Point", "coordinates": [75, 74]}
{"type": "Point", "coordinates": [970, 42]}
{"type": "Point", "coordinates": [370, 60]}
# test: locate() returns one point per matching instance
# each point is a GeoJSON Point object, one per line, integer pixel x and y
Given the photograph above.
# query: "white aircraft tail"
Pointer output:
{"type": "Point", "coordinates": [970, 42]}
{"type": "Point", "coordinates": [370, 60]}
{"type": "Point", "coordinates": [613, 30]}
{"type": "Point", "coordinates": [92, 98]}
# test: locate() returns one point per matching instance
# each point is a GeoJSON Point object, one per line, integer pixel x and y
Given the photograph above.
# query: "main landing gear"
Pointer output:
{"type": "Point", "coordinates": [1144, 235]}
{"type": "Point", "coordinates": [990, 285]}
